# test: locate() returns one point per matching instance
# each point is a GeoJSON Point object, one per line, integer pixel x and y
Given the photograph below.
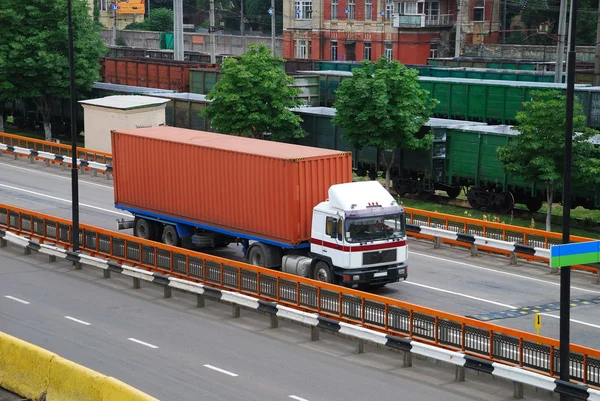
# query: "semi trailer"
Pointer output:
{"type": "Point", "coordinates": [290, 207]}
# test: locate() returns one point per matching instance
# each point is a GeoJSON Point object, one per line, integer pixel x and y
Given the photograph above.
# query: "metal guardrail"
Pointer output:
{"type": "Point", "coordinates": [389, 316]}
{"type": "Point", "coordinates": [54, 148]}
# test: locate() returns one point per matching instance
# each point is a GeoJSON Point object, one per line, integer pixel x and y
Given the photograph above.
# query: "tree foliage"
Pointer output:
{"type": "Point", "coordinates": [253, 97]}
{"type": "Point", "coordinates": [537, 153]}
{"type": "Point", "coordinates": [383, 106]}
{"type": "Point", "coordinates": [34, 52]}
{"type": "Point", "coordinates": [159, 20]}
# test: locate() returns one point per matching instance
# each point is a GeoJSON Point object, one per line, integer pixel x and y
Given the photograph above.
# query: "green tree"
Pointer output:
{"type": "Point", "coordinates": [537, 153]}
{"type": "Point", "coordinates": [253, 97]}
{"type": "Point", "coordinates": [34, 52]}
{"type": "Point", "coordinates": [159, 20]}
{"type": "Point", "coordinates": [383, 106]}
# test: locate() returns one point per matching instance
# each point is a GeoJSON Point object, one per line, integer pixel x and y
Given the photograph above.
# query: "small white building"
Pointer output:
{"type": "Point", "coordinates": [101, 116]}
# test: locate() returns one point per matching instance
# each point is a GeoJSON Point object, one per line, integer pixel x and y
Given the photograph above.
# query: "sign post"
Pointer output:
{"type": "Point", "coordinates": [537, 322]}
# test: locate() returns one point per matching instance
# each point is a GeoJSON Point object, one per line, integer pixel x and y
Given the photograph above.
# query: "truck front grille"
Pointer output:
{"type": "Point", "coordinates": [373, 258]}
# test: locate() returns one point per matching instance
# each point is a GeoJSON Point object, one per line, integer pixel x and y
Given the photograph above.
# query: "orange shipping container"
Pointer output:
{"type": "Point", "coordinates": [260, 189]}
{"type": "Point", "coordinates": [161, 74]}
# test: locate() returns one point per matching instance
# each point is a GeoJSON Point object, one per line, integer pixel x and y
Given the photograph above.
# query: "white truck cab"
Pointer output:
{"type": "Point", "coordinates": [359, 236]}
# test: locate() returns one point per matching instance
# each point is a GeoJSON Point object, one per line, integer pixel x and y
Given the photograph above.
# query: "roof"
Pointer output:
{"type": "Point", "coordinates": [359, 195]}
{"type": "Point", "coordinates": [125, 102]}
{"type": "Point", "coordinates": [258, 147]}
{"type": "Point", "coordinates": [518, 84]}
{"type": "Point", "coordinates": [129, 89]}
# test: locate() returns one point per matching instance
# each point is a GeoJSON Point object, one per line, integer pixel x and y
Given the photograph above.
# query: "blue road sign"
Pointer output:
{"type": "Point", "coordinates": [578, 253]}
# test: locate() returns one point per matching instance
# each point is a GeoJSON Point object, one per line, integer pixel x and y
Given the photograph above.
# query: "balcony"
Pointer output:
{"type": "Point", "coordinates": [302, 23]}
{"type": "Point", "coordinates": [421, 21]}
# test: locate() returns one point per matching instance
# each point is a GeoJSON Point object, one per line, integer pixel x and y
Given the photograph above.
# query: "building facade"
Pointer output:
{"type": "Point", "coordinates": [127, 12]}
{"type": "Point", "coordinates": [408, 31]}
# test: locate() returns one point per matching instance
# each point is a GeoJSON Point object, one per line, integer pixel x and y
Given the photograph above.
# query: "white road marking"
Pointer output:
{"type": "Point", "coordinates": [16, 299]}
{"type": "Point", "coordinates": [220, 370]}
{"type": "Point", "coordinates": [56, 176]}
{"type": "Point", "coordinates": [78, 321]}
{"type": "Point", "coordinates": [502, 272]}
{"type": "Point", "coordinates": [295, 397]}
{"type": "Point", "coordinates": [492, 302]}
{"type": "Point", "coordinates": [62, 200]}
{"type": "Point", "coordinates": [507, 306]}
{"type": "Point", "coordinates": [142, 342]}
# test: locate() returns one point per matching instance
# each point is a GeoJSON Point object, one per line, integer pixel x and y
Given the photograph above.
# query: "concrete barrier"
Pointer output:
{"type": "Point", "coordinates": [72, 382]}
{"type": "Point", "coordinates": [31, 371]}
{"type": "Point", "coordinates": [24, 368]}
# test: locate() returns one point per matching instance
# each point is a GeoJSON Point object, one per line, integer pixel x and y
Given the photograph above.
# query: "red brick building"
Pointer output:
{"type": "Point", "coordinates": [409, 31]}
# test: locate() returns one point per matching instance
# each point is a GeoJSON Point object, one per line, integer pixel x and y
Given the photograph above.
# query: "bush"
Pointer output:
{"type": "Point", "coordinates": [159, 19]}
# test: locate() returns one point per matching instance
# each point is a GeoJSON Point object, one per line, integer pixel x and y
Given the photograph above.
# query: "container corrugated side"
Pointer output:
{"type": "Point", "coordinates": [258, 196]}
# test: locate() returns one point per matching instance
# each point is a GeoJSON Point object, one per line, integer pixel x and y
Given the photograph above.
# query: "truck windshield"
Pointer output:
{"type": "Point", "coordinates": [377, 228]}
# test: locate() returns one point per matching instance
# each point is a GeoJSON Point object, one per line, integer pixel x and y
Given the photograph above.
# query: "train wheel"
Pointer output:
{"type": "Point", "coordinates": [506, 202]}
{"type": "Point", "coordinates": [453, 192]}
{"type": "Point", "coordinates": [472, 199]}
{"type": "Point", "coordinates": [534, 204]}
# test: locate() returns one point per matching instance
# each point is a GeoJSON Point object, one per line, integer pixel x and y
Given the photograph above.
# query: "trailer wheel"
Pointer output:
{"type": "Point", "coordinates": [145, 229]}
{"type": "Point", "coordinates": [170, 236]}
{"type": "Point", "coordinates": [257, 257]}
{"type": "Point", "coordinates": [322, 272]}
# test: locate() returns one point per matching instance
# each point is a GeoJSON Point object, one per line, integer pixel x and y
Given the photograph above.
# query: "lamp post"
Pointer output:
{"type": "Point", "coordinates": [74, 169]}
{"type": "Point", "coordinates": [565, 273]}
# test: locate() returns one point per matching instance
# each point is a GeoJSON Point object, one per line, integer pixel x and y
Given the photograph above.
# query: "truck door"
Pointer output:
{"type": "Point", "coordinates": [333, 242]}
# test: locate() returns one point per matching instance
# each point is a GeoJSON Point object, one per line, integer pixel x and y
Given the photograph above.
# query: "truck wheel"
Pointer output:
{"type": "Point", "coordinates": [170, 236]}
{"type": "Point", "coordinates": [256, 256]}
{"type": "Point", "coordinates": [145, 229]}
{"type": "Point", "coordinates": [322, 272]}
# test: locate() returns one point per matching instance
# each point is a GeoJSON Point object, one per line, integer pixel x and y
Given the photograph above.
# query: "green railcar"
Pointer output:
{"type": "Point", "coordinates": [470, 160]}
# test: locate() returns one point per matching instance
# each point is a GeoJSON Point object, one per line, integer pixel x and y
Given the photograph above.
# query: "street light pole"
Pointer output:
{"type": "Point", "coordinates": [565, 273]}
{"type": "Point", "coordinates": [74, 167]}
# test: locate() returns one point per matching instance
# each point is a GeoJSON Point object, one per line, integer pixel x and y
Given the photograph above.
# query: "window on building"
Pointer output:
{"type": "Point", "coordinates": [334, 50]}
{"type": "Point", "coordinates": [302, 52]}
{"type": "Point", "coordinates": [432, 9]}
{"type": "Point", "coordinates": [303, 9]}
{"type": "Point", "coordinates": [309, 49]}
{"type": "Point", "coordinates": [103, 5]}
{"type": "Point", "coordinates": [407, 8]}
{"type": "Point", "coordinates": [351, 8]}
{"type": "Point", "coordinates": [389, 9]}
{"type": "Point", "coordinates": [368, 10]}
{"type": "Point", "coordinates": [389, 51]}
{"type": "Point", "coordinates": [367, 53]}
{"type": "Point", "coordinates": [334, 9]}
{"type": "Point", "coordinates": [479, 10]}
{"type": "Point", "coordinates": [433, 50]}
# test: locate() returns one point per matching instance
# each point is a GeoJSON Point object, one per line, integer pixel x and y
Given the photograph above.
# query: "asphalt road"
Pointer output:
{"type": "Point", "coordinates": [175, 351]}
{"type": "Point", "coordinates": [447, 279]}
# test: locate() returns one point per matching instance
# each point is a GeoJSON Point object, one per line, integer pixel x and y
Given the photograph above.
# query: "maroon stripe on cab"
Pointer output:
{"type": "Point", "coordinates": [357, 248]}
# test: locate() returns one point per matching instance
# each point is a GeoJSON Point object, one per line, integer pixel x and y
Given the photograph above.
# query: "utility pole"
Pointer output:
{"type": "Point", "coordinates": [458, 29]}
{"type": "Point", "coordinates": [114, 27]}
{"type": "Point", "coordinates": [178, 30]}
{"type": "Point", "coordinates": [504, 24]}
{"type": "Point", "coordinates": [273, 27]}
{"type": "Point", "coordinates": [569, 36]}
{"type": "Point", "coordinates": [596, 81]}
{"type": "Point", "coordinates": [560, 49]}
{"type": "Point", "coordinates": [213, 45]}
{"type": "Point", "coordinates": [242, 25]}
{"type": "Point", "coordinates": [74, 167]}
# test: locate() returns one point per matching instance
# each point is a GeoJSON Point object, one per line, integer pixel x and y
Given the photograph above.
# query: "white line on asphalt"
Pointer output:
{"type": "Point", "coordinates": [493, 302]}
{"type": "Point", "coordinates": [62, 200]}
{"type": "Point", "coordinates": [295, 397]}
{"type": "Point", "coordinates": [56, 176]}
{"type": "Point", "coordinates": [16, 299]}
{"type": "Point", "coordinates": [220, 370]}
{"type": "Point", "coordinates": [573, 320]}
{"type": "Point", "coordinates": [462, 295]}
{"type": "Point", "coordinates": [142, 342]}
{"type": "Point", "coordinates": [77, 320]}
{"type": "Point", "coordinates": [502, 272]}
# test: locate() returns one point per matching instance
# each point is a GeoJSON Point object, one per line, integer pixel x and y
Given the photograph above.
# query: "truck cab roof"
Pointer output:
{"type": "Point", "coordinates": [359, 199]}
